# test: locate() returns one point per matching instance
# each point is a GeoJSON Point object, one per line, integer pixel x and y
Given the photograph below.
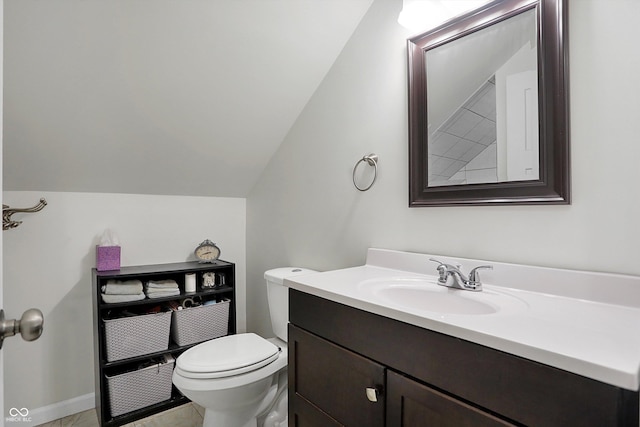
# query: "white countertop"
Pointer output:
{"type": "Point", "coordinates": [582, 322]}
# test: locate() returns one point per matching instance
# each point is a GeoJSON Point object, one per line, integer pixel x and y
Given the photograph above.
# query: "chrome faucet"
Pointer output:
{"type": "Point", "coordinates": [451, 276]}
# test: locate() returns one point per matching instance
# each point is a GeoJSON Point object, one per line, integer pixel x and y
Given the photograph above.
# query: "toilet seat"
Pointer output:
{"type": "Point", "coordinates": [227, 356]}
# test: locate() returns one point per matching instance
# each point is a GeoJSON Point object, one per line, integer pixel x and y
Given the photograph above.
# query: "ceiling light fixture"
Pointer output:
{"type": "Point", "coordinates": [423, 15]}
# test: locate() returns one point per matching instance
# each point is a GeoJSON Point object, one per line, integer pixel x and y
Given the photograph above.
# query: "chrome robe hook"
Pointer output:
{"type": "Point", "coordinates": [7, 223]}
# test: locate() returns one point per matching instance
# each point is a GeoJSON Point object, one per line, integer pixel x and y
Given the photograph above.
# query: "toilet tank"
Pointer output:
{"type": "Point", "coordinates": [278, 297]}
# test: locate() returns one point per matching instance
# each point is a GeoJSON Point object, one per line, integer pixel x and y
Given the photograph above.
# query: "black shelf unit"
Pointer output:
{"type": "Point", "coordinates": [101, 310]}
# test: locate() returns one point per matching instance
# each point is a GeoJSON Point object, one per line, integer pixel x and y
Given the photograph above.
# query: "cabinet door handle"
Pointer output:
{"type": "Point", "coordinates": [372, 394]}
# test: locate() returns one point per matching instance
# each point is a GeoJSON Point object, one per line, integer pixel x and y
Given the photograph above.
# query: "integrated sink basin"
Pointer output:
{"type": "Point", "coordinates": [420, 294]}
{"type": "Point", "coordinates": [578, 321]}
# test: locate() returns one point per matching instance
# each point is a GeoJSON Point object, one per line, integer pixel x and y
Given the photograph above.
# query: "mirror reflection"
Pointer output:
{"type": "Point", "coordinates": [482, 105]}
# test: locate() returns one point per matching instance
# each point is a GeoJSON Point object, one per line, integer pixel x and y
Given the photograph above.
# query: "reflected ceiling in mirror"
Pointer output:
{"type": "Point", "coordinates": [483, 105]}
{"type": "Point", "coordinates": [488, 107]}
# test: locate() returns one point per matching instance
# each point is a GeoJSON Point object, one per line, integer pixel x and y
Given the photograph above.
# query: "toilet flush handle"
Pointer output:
{"type": "Point", "coordinates": [29, 325]}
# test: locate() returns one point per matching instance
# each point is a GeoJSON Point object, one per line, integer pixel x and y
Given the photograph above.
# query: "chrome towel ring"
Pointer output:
{"type": "Point", "coordinates": [372, 160]}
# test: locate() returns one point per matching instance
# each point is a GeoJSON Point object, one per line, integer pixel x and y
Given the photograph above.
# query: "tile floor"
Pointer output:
{"type": "Point", "coordinates": [189, 415]}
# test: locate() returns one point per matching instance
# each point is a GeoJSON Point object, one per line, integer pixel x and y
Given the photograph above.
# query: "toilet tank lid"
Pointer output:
{"type": "Point", "coordinates": [278, 275]}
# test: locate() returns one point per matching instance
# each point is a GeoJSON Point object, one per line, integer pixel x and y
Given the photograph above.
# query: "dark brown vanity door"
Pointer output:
{"type": "Point", "coordinates": [412, 404]}
{"type": "Point", "coordinates": [329, 382]}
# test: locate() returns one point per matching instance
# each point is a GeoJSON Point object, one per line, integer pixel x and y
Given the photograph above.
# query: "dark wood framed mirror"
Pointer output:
{"type": "Point", "coordinates": [489, 107]}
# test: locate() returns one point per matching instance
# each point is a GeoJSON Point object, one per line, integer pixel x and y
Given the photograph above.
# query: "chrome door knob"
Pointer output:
{"type": "Point", "coordinates": [29, 325]}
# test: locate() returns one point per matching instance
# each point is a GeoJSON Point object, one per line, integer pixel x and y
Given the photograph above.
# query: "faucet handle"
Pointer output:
{"type": "Point", "coordinates": [443, 270]}
{"type": "Point", "coordinates": [474, 276]}
{"type": "Point", "coordinates": [443, 267]}
{"type": "Point", "coordinates": [449, 266]}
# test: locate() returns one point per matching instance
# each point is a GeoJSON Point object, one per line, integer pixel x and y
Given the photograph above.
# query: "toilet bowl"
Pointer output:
{"type": "Point", "coordinates": [231, 395]}
{"type": "Point", "coordinates": [241, 379]}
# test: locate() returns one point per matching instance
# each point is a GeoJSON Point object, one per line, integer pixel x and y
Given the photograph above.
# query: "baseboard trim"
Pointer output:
{"type": "Point", "coordinates": [62, 409]}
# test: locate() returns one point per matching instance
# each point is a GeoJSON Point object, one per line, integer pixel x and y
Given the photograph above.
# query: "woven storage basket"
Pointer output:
{"type": "Point", "coordinates": [201, 323]}
{"type": "Point", "coordinates": [136, 335]}
{"type": "Point", "coordinates": [137, 389]}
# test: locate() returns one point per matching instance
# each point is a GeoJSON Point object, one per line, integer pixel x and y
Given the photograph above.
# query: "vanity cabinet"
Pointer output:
{"type": "Point", "coordinates": [424, 378]}
{"type": "Point", "coordinates": [411, 403]}
{"type": "Point", "coordinates": [331, 383]}
{"type": "Point", "coordinates": [335, 386]}
{"type": "Point", "coordinates": [107, 367]}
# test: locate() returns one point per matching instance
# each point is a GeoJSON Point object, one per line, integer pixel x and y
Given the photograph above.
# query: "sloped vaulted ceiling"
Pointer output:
{"type": "Point", "coordinates": [175, 97]}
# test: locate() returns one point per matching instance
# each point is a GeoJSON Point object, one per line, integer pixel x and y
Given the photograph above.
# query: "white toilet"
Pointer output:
{"type": "Point", "coordinates": [240, 379]}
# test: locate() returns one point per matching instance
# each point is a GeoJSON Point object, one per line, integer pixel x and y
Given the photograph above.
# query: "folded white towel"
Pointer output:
{"type": "Point", "coordinates": [162, 284]}
{"type": "Point", "coordinates": [162, 293]}
{"type": "Point", "coordinates": [110, 299]}
{"type": "Point", "coordinates": [129, 287]}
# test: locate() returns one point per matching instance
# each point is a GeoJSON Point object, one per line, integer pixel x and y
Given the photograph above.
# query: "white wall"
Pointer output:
{"type": "Point", "coordinates": [48, 261]}
{"type": "Point", "coordinates": [216, 84]}
{"type": "Point", "coordinates": [305, 211]}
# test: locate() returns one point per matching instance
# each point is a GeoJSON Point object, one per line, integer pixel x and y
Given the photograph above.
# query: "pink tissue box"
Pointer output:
{"type": "Point", "coordinates": [107, 258]}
